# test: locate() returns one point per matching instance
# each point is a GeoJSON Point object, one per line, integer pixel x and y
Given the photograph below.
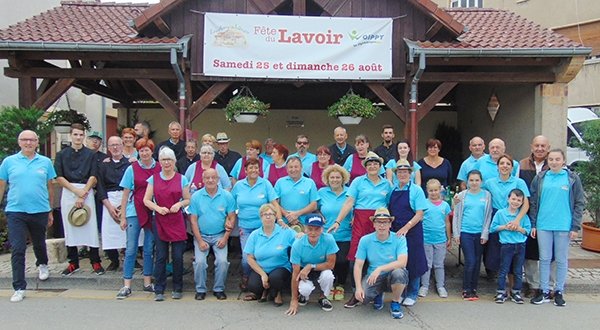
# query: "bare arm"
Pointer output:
{"type": "Point", "coordinates": [123, 214]}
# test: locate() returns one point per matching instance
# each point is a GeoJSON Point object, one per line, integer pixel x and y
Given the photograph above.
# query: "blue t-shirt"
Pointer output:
{"type": "Point", "coordinates": [27, 182]}
{"type": "Point", "coordinates": [294, 196]}
{"type": "Point", "coordinates": [489, 168]}
{"type": "Point", "coordinates": [237, 169]}
{"type": "Point", "coordinates": [224, 181]}
{"type": "Point", "coordinates": [554, 210]}
{"type": "Point", "coordinates": [379, 253]}
{"type": "Point", "coordinates": [473, 213]}
{"type": "Point", "coordinates": [250, 199]}
{"type": "Point", "coordinates": [266, 158]}
{"type": "Point", "coordinates": [466, 167]}
{"type": "Point", "coordinates": [434, 223]}
{"type": "Point", "coordinates": [502, 217]}
{"type": "Point", "coordinates": [212, 211]}
{"type": "Point", "coordinates": [127, 182]}
{"type": "Point", "coordinates": [330, 205]}
{"type": "Point", "coordinates": [271, 252]}
{"type": "Point", "coordinates": [304, 253]}
{"type": "Point", "coordinates": [367, 195]}
{"type": "Point", "coordinates": [307, 162]}
{"type": "Point", "coordinates": [500, 190]}
{"type": "Point", "coordinates": [391, 165]}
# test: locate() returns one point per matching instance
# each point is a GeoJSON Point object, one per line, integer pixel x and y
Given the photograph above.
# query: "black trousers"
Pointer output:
{"type": "Point", "coordinates": [73, 255]}
{"type": "Point", "coordinates": [279, 278]}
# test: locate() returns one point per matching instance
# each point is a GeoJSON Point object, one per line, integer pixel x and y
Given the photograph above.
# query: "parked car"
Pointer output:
{"type": "Point", "coordinates": [576, 118]}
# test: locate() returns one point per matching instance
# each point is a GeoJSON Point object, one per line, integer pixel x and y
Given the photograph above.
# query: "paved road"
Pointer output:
{"type": "Point", "coordinates": [97, 309]}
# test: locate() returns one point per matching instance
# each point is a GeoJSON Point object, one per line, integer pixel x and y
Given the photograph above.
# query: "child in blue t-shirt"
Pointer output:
{"type": "Point", "coordinates": [512, 239]}
{"type": "Point", "coordinates": [436, 238]}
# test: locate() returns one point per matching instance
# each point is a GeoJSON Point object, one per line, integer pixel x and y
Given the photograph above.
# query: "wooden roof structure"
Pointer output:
{"type": "Point", "coordinates": [135, 53]}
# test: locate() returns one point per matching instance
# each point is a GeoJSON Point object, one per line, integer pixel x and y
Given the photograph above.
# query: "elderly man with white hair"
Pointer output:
{"type": "Point", "coordinates": [488, 165]}
{"type": "Point", "coordinates": [206, 161]}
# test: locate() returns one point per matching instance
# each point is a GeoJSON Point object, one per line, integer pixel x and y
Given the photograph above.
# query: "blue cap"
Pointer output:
{"type": "Point", "coordinates": [314, 219]}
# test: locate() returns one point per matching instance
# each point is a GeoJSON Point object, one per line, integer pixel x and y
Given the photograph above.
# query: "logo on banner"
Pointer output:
{"type": "Point", "coordinates": [230, 37]}
{"type": "Point", "coordinates": [359, 39]}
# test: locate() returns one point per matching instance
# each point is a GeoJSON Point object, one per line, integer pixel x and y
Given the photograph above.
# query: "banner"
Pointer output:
{"type": "Point", "coordinates": [297, 47]}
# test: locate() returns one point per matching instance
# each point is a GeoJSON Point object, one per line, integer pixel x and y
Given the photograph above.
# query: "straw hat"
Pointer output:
{"type": "Point", "coordinates": [371, 156]}
{"type": "Point", "coordinates": [79, 216]}
{"type": "Point", "coordinates": [382, 213]}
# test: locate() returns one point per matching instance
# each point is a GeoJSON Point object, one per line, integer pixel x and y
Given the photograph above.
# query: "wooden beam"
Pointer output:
{"type": "Point", "coordinates": [162, 25]}
{"type": "Point", "coordinates": [94, 74]}
{"type": "Point", "coordinates": [265, 6]}
{"type": "Point", "coordinates": [433, 98]}
{"type": "Point", "coordinates": [101, 90]}
{"type": "Point", "coordinates": [205, 100]}
{"type": "Point", "coordinates": [53, 93]}
{"type": "Point", "coordinates": [331, 6]}
{"type": "Point", "coordinates": [569, 69]}
{"type": "Point", "coordinates": [44, 85]}
{"type": "Point", "coordinates": [489, 77]}
{"type": "Point", "coordinates": [161, 97]}
{"type": "Point", "coordinates": [389, 99]}
{"type": "Point", "coordinates": [493, 61]}
{"type": "Point", "coordinates": [299, 7]}
{"type": "Point", "coordinates": [27, 91]}
{"type": "Point", "coordinates": [433, 30]}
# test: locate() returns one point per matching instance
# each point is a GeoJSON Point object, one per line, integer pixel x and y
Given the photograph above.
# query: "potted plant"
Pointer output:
{"type": "Point", "coordinates": [589, 172]}
{"type": "Point", "coordinates": [61, 120]}
{"type": "Point", "coordinates": [245, 108]}
{"type": "Point", "coordinates": [351, 108]}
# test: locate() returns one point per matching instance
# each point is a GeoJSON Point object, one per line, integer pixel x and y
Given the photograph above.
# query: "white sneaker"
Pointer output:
{"type": "Point", "coordinates": [44, 273]}
{"type": "Point", "coordinates": [442, 292]}
{"type": "Point", "coordinates": [408, 302]}
{"type": "Point", "coordinates": [423, 291]}
{"type": "Point", "coordinates": [19, 295]}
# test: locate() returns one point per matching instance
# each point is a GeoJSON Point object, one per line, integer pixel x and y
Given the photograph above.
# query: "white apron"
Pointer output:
{"type": "Point", "coordinates": [112, 235]}
{"type": "Point", "coordinates": [86, 235]}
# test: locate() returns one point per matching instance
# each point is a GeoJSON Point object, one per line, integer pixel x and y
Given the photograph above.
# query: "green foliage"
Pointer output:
{"type": "Point", "coordinates": [245, 104]}
{"type": "Point", "coordinates": [14, 120]}
{"type": "Point", "coordinates": [66, 116]}
{"type": "Point", "coordinates": [589, 172]}
{"type": "Point", "coordinates": [353, 105]}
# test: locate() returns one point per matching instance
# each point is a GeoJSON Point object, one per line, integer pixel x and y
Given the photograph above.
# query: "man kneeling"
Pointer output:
{"type": "Point", "coordinates": [387, 257]}
{"type": "Point", "coordinates": [313, 259]}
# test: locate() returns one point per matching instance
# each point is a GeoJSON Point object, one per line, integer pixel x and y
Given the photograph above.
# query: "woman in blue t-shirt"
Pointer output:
{"type": "Point", "coordinates": [556, 208]}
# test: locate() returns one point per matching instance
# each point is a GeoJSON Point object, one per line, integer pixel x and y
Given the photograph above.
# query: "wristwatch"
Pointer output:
{"type": "Point", "coordinates": [314, 266]}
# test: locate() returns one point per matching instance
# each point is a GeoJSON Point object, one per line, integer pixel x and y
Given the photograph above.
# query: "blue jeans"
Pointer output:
{"type": "Point", "coordinates": [133, 235]}
{"type": "Point", "coordinates": [200, 265]}
{"type": "Point", "coordinates": [511, 254]}
{"type": "Point", "coordinates": [384, 283]}
{"type": "Point", "coordinates": [560, 240]}
{"type": "Point", "coordinates": [244, 234]}
{"type": "Point", "coordinates": [19, 225]}
{"type": "Point", "coordinates": [160, 264]}
{"type": "Point", "coordinates": [472, 250]}
{"type": "Point", "coordinates": [412, 288]}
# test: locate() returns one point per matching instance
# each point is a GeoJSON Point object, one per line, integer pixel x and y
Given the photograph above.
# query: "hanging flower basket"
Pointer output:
{"type": "Point", "coordinates": [351, 108]}
{"type": "Point", "coordinates": [61, 120]}
{"type": "Point", "coordinates": [245, 108]}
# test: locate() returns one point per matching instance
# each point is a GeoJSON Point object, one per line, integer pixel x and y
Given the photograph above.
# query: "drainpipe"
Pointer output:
{"type": "Point", "coordinates": [413, 104]}
{"type": "Point", "coordinates": [181, 88]}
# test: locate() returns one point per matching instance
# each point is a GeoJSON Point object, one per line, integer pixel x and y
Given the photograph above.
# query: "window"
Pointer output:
{"type": "Point", "coordinates": [466, 3]}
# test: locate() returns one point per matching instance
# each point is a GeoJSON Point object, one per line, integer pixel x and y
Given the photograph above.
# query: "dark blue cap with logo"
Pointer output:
{"type": "Point", "coordinates": [314, 219]}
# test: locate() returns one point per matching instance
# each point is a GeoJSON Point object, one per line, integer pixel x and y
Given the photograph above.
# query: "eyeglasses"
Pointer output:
{"type": "Point", "coordinates": [304, 143]}
{"type": "Point", "coordinates": [267, 215]}
{"type": "Point", "coordinates": [115, 145]}
{"type": "Point", "coordinates": [206, 153]}
{"type": "Point", "coordinates": [167, 160]}
{"type": "Point", "coordinates": [381, 223]}
{"type": "Point", "coordinates": [28, 140]}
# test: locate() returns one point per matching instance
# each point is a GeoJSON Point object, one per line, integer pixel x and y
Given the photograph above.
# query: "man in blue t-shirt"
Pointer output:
{"type": "Point", "coordinates": [387, 255]}
{"type": "Point", "coordinates": [313, 258]}
{"type": "Point", "coordinates": [28, 208]}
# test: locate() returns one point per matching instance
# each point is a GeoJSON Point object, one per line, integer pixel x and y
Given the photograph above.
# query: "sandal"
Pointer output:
{"type": "Point", "coordinates": [250, 297]}
{"type": "Point", "coordinates": [244, 284]}
{"type": "Point", "coordinates": [278, 300]}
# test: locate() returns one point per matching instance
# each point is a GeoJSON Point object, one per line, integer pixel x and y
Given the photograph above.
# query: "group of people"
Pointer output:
{"type": "Point", "coordinates": [304, 220]}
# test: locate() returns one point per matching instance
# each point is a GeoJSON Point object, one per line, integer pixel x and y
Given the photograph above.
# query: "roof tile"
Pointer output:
{"type": "Point", "coordinates": [77, 21]}
{"type": "Point", "coordinates": [499, 29]}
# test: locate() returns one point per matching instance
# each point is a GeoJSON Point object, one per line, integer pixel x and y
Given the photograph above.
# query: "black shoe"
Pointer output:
{"type": "Point", "coordinates": [149, 288]}
{"type": "Point", "coordinates": [559, 300]}
{"type": "Point", "coordinates": [114, 266]}
{"type": "Point", "coordinates": [543, 297]}
{"type": "Point", "coordinates": [353, 302]}
{"type": "Point", "coordinates": [325, 304]}
{"type": "Point", "coordinates": [220, 295]}
{"type": "Point", "coordinates": [200, 296]}
{"type": "Point", "coordinates": [83, 253]}
{"type": "Point", "coordinates": [500, 298]}
{"type": "Point", "coordinates": [302, 300]}
{"type": "Point", "coordinates": [516, 298]}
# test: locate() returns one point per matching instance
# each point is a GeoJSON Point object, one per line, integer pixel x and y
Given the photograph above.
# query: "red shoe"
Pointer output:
{"type": "Point", "coordinates": [72, 268]}
{"type": "Point", "coordinates": [98, 269]}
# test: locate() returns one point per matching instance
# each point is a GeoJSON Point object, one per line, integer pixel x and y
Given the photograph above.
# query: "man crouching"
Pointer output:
{"type": "Point", "coordinates": [387, 257]}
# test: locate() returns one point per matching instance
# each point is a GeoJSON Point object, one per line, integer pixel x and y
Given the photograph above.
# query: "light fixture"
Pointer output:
{"type": "Point", "coordinates": [493, 106]}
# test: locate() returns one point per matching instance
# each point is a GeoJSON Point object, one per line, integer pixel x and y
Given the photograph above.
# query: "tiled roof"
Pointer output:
{"type": "Point", "coordinates": [83, 22]}
{"type": "Point", "coordinates": [431, 8]}
{"type": "Point", "coordinates": [499, 29]}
